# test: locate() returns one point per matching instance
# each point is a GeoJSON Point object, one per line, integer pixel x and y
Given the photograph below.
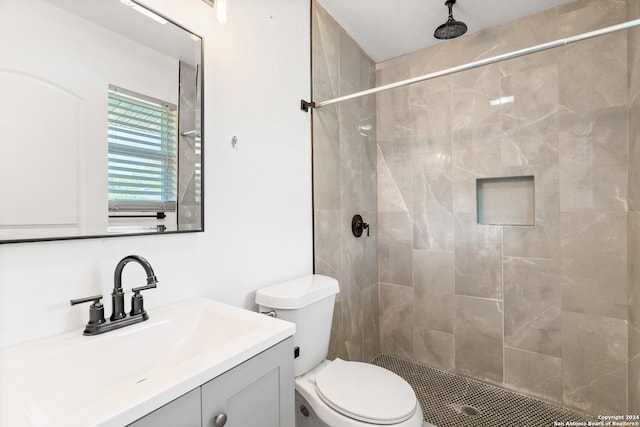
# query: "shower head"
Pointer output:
{"type": "Point", "coordinates": [452, 28]}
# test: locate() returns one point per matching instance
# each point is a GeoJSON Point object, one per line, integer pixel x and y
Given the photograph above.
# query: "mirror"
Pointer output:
{"type": "Point", "coordinates": [100, 121]}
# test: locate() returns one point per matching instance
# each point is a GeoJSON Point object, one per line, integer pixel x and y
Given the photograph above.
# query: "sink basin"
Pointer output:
{"type": "Point", "coordinates": [117, 377]}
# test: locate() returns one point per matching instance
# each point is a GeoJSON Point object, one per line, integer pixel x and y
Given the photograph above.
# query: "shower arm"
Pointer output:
{"type": "Point", "coordinates": [305, 105]}
{"type": "Point", "coordinates": [450, 4]}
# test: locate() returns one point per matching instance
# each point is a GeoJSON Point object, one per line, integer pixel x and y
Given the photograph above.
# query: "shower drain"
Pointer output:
{"type": "Point", "coordinates": [467, 410]}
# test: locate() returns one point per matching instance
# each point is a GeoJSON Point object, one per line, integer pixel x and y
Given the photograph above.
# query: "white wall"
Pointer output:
{"type": "Point", "coordinates": [258, 197]}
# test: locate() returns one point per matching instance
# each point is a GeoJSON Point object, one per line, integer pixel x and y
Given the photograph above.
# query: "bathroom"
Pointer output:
{"type": "Point", "coordinates": [260, 203]}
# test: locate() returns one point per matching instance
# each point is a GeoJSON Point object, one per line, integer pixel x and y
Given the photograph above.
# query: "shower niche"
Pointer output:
{"type": "Point", "coordinates": [506, 201]}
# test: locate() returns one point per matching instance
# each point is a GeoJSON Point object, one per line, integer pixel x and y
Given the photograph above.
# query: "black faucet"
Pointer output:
{"type": "Point", "coordinates": [117, 296]}
{"type": "Point", "coordinates": [119, 319]}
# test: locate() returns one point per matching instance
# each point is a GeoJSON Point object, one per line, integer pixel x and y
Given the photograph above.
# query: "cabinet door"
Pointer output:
{"type": "Point", "coordinates": [257, 393]}
{"type": "Point", "coordinates": [185, 411]}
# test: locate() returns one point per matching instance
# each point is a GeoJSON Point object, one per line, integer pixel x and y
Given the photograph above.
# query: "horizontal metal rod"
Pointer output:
{"type": "Point", "coordinates": [487, 61]}
{"type": "Point", "coordinates": [191, 133]}
{"type": "Point", "coordinates": [157, 215]}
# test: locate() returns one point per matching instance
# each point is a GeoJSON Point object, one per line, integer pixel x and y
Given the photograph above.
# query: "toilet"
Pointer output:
{"type": "Point", "coordinates": [334, 393]}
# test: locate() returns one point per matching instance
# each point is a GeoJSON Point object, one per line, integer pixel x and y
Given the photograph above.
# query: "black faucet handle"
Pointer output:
{"type": "Point", "coordinates": [137, 302]}
{"type": "Point", "coordinates": [96, 300]}
{"type": "Point", "coordinates": [144, 288]}
{"type": "Point", "coordinates": [96, 310]}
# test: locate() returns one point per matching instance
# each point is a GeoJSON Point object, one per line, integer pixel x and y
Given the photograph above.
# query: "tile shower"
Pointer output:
{"type": "Point", "coordinates": [550, 310]}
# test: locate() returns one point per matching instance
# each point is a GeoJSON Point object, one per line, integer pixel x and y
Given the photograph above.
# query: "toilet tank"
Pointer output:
{"type": "Point", "coordinates": [308, 302]}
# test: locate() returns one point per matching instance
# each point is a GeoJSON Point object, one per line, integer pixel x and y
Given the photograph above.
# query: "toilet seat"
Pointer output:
{"type": "Point", "coordinates": [365, 392]}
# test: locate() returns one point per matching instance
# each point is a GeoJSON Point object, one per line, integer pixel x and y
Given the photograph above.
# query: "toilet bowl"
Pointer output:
{"type": "Point", "coordinates": [335, 393]}
{"type": "Point", "coordinates": [355, 394]}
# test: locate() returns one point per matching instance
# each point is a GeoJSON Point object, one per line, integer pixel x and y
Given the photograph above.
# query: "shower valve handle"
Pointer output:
{"type": "Point", "coordinates": [358, 226]}
{"type": "Point", "coordinates": [366, 226]}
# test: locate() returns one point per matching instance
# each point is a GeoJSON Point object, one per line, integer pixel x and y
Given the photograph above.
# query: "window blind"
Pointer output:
{"type": "Point", "coordinates": [142, 135]}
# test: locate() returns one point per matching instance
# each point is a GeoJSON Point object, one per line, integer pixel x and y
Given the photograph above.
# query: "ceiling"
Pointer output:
{"type": "Point", "coordinates": [386, 29]}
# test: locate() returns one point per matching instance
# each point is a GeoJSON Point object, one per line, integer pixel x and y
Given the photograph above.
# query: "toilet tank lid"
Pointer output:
{"type": "Point", "coordinates": [297, 293]}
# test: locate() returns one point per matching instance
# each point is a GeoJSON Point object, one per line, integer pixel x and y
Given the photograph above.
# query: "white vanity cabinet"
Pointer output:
{"type": "Point", "coordinates": [185, 411]}
{"type": "Point", "coordinates": [258, 392]}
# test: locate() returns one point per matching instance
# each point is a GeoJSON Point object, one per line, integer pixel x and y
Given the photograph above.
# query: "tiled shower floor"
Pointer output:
{"type": "Point", "coordinates": [449, 400]}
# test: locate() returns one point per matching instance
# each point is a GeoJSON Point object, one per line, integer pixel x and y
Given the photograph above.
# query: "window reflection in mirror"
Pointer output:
{"type": "Point", "coordinates": [80, 81]}
{"type": "Point", "coordinates": [143, 142]}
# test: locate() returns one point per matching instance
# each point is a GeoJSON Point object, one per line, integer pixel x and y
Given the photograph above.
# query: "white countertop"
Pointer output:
{"type": "Point", "coordinates": [115, 378]}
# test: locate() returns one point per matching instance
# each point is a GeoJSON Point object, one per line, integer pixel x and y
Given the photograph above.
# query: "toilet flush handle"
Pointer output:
{"type": "Point", "coordinates": [270, 313]}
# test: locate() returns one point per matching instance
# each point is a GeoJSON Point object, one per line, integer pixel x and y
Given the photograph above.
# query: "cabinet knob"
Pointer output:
{"type": "Point", "coordinates": [220, 419]}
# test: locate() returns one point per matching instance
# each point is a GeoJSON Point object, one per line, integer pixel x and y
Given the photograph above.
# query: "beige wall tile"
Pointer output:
{"type": "Point", "coordinates": [371, 319]}
{"type": "Point", "coordinates": [396, 320]}
{"type": "Point", "coordinates": [396, 123]}
{"type": "Point", "coordinates": [471, 93]}
{"type": "Point", "coordinates": [584, 188]}
{"type": "Point", "coordinates": [634, 267]}
{"type": "Point", "coordinates": [395, 253]}
{"type": "Point", "coordinates": [593, 160]}
{"type": "Point", "coordinates": [351, 176]}
{"type": "Point", "coordinates": [634, 370]}
{"type": "Point", "coordinates": [435, 58]}
{"type": "Point", "coordinates": [634, 312]}
{"type": "Point", "coordinates": [587, 15]}
{"type": "Point", "coordinates": [336, 342]}
{"type": "Point", "coordinates": [433, 203]}
{"type": "Point", "coordinates": [634, 53]}
{"type": "Point", "coordinates": [528, 144]}
{"type": "Point", "coordinates": [394, 184]}
{"type": "Point", "coordinates": [634, 386]}
{"type": "Point", "coordinates": [326, 159]}
{"type": "Point", "coordinates": [327, 251]}
{"type": "Point", "coordinates": [594, 362]}
{"type": "Point", "coordinates": [479, 338]}
{"type": "Point", "coordinates": [395, 190]}
{"type": "Point", "coordinates": [528, 31]}
{"type": "Point", "coordinates": [325, 35]}
{"type": "Point", "coordinates": [634, 212]}
{"type": "Point", "coordinates": [433, 283]}
{"type": "Point", "coordinates": [533, 305]}
{"type": "Point", "coordinates": [634, 342]}
{"type": "Point", "coordinates": [464, 194]}
{"type": "Point", "coordinates": [477, 150]}
{"type": "Point", "coordinates": [535, 92]}
{"type": "Point", "coordinates": [600, 80]}
{"type": "Point", "coordinates": [534, 374]}
{"type": "Point", "coordinates": [353, 305]}
{"type": "Point", "coordinates": [594, 263]}
{"type": "Point", "coordinates": [634, 154]}
{"type": "Point", "coordinates": [434, 348]}
{"type": "Point", "coordinates": [392, 71]}
{"type": "Point", "coordinates": [367, 76]}
{"type": "Point", "coordinates": [543, 240]}
{"type": "Point", "coordinates": [478, 258]}
{"type": "Point", "coordinates": [431, 117]}
{"type": "Point", "coordinates": [370, 249]}
{"type": "Point", "coordinates": [350, 73]}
